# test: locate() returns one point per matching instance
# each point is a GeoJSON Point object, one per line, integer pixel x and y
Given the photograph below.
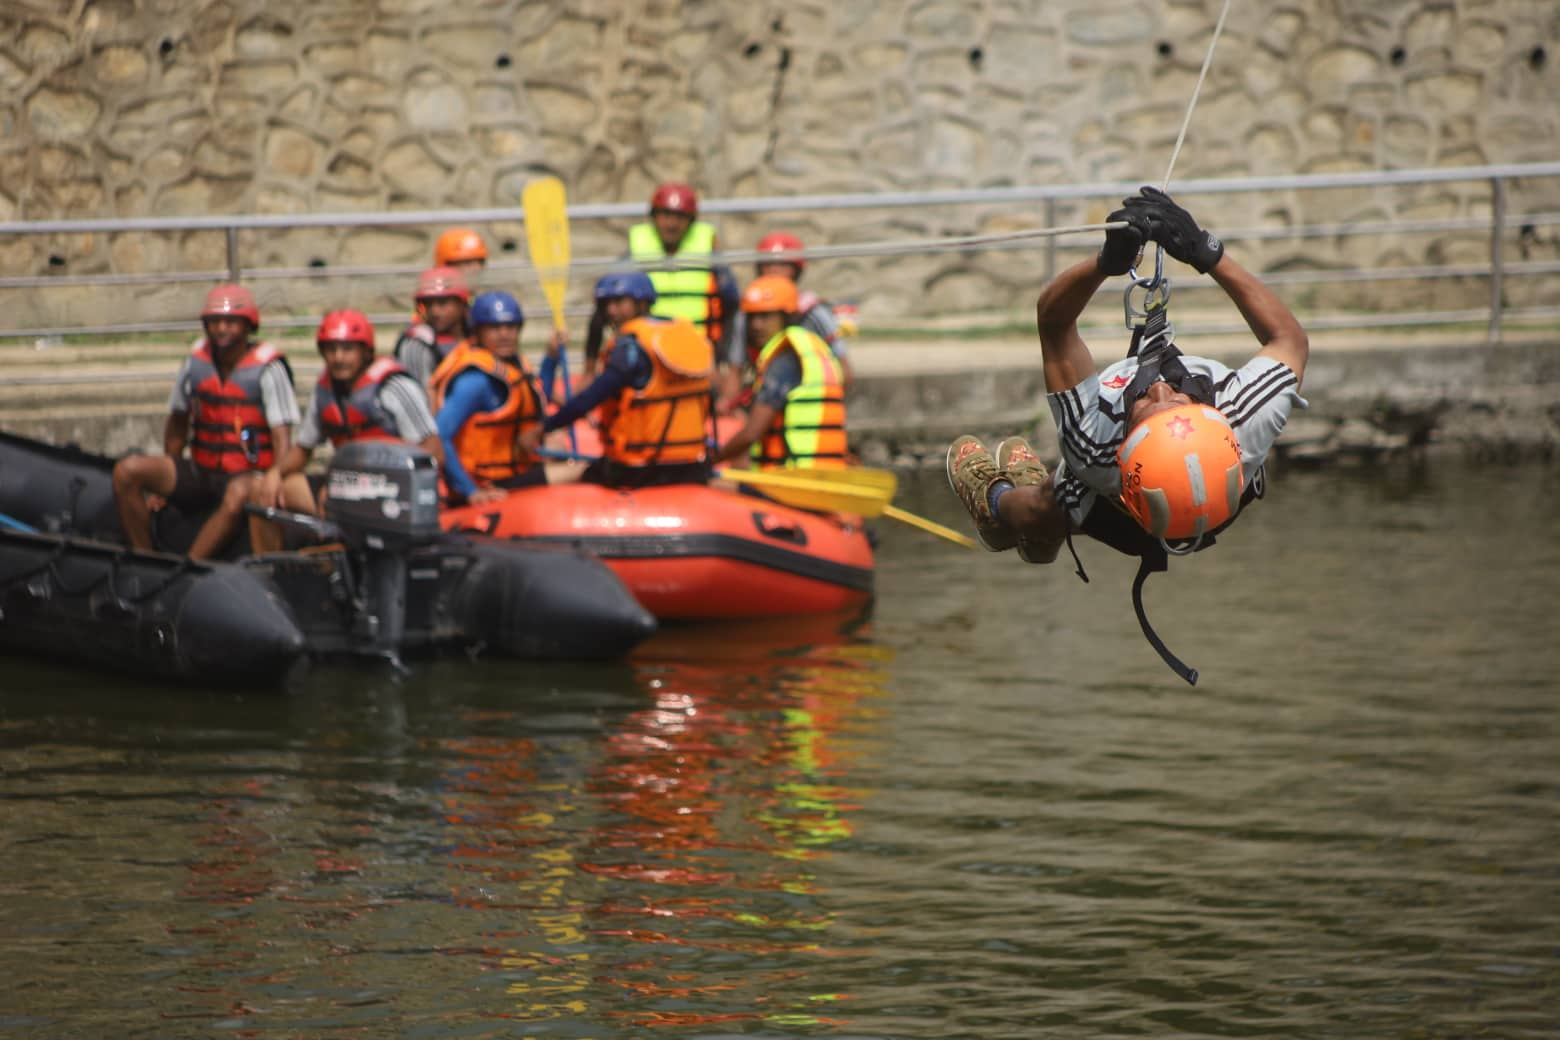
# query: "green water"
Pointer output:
{"type": "Point", "coordinates": [985, 810]}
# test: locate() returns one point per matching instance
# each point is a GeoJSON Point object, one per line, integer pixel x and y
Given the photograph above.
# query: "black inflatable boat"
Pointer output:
{"type": "Point", "coordinates": [386, 582]}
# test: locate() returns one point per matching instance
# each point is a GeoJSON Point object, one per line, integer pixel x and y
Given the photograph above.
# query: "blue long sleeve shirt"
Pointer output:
{"type": "Point", "coordinates": [627, 367]}
{"type": "Point", "coordinates": [471, 393]}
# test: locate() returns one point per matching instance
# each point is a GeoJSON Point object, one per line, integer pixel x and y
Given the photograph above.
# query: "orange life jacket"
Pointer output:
{"type": "Point", "coordinates": [358, 416]}
{"type": "Point", "coordinates": [488, 444]}
{"type": "Point", "coordinates": [669, 420]}
{"type": "Point", "coordinates": [229, 431]}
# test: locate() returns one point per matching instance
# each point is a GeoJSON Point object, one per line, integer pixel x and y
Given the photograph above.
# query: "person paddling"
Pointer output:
{"type": "Point", "coordinates": [1160, 451]}
{"type": "Point", "coordinates": [654, 391]}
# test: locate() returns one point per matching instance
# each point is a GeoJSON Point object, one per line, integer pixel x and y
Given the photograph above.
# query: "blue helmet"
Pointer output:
{"type": "Point", "coordinates": [495, 308]}
{"type": "Point", "coordinates": [636, 285]}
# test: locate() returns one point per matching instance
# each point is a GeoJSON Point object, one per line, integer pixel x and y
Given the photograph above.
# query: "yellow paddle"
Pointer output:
{"type": "Point", "coordinates": [880, 481]}
{"type": "Point", "coordinates": [805, 492]}
{"type": "Point", "coordinates": [547, 235]}
{"type": "Point", "coordinates": [895, 513]}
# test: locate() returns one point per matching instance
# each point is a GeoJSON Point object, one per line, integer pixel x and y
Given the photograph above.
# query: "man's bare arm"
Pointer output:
{"type": "Point", "coordinates": [1274, 325]}
{"type": "Point", "coordinates": [1066, 356]}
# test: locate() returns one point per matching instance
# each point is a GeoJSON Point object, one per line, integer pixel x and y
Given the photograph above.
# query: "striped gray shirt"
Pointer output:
{"type": "Point", "coordinates": [399, 395]}
{"type": "Point", "coordinates": [1091, 422]}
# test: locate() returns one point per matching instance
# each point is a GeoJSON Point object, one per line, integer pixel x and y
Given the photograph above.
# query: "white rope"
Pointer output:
{"type": "Point", "coordinates": [1196, 91]}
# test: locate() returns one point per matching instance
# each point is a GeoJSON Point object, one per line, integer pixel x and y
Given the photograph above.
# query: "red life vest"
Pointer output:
{"type": "Point", "coordinates": [229, 431]}
{"type": "Point", "coordinates": [359, 416]}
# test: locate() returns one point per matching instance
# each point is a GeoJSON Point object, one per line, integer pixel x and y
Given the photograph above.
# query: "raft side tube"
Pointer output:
{"type": "Point", "coordinates": [546, 603]}
{"type": "Point", "coordinates": [61, 489]}
{"type": "Point", "coordinates": [145, 613]}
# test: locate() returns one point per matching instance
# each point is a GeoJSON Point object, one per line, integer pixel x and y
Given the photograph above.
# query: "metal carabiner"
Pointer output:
{"type": "Point", "coordinates": [1156, 291]}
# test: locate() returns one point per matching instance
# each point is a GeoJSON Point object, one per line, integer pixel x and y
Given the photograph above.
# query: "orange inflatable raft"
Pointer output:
{"type": "Point", "coordinates": [692, 552]}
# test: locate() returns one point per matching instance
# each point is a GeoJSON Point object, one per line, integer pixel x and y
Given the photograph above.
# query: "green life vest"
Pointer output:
{"type": "Point", "coordinates": [683, 292]}
{"type": "Point", "coordinates": [810, 431]}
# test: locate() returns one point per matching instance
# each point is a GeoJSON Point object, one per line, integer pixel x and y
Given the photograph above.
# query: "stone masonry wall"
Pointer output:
{"type": "Point", "coordinates": [191, 107]}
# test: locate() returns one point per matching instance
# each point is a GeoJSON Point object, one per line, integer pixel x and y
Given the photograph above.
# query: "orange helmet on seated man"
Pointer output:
{"type": "Point", "coordinates": [1181, 473]}
{"type": "Point", "coordinates": [457, 246]}
{"type": "Point", "coordinates": [769, 294]}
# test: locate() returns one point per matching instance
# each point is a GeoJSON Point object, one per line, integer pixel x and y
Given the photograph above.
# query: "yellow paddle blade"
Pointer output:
{"type": "Point", "coordinates": [805, 493]}
{"type": "Point", "coordinates": [883, 482]}
{"type": "Point", "coordinates": [895, 513]}
{"type": "Point", "coordinates": [547, 234]}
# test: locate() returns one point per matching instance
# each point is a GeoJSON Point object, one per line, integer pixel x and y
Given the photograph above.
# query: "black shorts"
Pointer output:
{"type": "Point", "coordinates": [615, 475]}
{"type": "Point", "coordinates": [533, 477]}
{"type": "Point", "coordinates": [196, 489]}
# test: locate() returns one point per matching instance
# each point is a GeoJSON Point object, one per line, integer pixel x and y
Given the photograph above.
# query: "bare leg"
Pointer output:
{"type": "Point", "coordinates": [134, 477]}
{"type": "Point", "coordinates": [266, 536]}
{"type": "Point", "coordinates": [222, 525]}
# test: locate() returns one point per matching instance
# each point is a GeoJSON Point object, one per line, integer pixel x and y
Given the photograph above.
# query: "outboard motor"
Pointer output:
{"type": "Point", "coordinates": [384, 496]}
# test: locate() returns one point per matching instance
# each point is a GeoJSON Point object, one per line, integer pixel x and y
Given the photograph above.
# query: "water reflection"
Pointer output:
{"type": "Point", "coordinates": [991, 813]}
{"type": "Point", "coordinates": [718, 794]}
{"type": "Point", "coordinates": [623, 866]}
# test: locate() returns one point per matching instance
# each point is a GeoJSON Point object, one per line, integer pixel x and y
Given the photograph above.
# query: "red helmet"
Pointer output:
{"type": "Point", "coordinates": [769, 294]}
{"type": "Point", "coordinates": [437, 282]}
{"type": "Point", "coordinates": [676, 197]}
{"type": "Point", "coordinates": [458, 245]}
{"type": "Point", "coordinates": [345, 327]}
{"type": "Point", "coordinates": [231, 299]}
{"type": "Point", "coordinates": [783, 242]}
{"type": "Point", "coordinates": [1180, 472]}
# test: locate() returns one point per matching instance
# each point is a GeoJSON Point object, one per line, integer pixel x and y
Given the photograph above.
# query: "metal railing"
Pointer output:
{"type": "Point", "coordinates": [1499, 225]}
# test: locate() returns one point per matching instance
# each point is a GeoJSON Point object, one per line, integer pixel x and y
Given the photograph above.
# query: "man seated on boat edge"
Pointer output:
{"type": "Point", "coordinates": [654, 392]}
{"type": "Point", "coordinates": [484, 398]}
{"type": "Point", "coordinates": [356, 398]}
{"type": "Point", "coordinates": [706, 295]}
{"type": "Point", "coordinates": [443, 298]}
{"type": "Point", "coordinates": [1160, 451]}
{"type": "Point", "coordinates": [813, 313]}
{"type": "Point", "coordinates": [797, 418]}
{"type": "Point", "coordinates": [233, 405]}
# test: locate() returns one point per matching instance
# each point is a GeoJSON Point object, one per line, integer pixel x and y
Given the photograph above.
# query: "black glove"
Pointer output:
{"type": "Point", "coordinates": [1173, 227]}
{"type": "Point", "coordinates": [1122, 245]}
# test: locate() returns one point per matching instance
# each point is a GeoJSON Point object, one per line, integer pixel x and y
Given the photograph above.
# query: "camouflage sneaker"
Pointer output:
{"type": "Point", "coordinates": [1018, 464]}
{"type": "Point", "coordinates": [971, 472]}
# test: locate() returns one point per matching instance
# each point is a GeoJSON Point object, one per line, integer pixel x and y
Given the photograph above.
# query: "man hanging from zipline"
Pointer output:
{"type": "Point", "coordinates": [1160, 451]}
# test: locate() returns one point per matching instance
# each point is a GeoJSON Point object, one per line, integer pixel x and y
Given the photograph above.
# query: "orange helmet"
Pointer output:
{"type": "Point", "coordinates": [783, 242]}
{"type": "Point", "coordinates": [675, 197]}
{"type": "Point", "coordinates": [345, 327]}
{"type": "Point", "coordinates": [457, 245]}
{"type": "Point", "coordinates": [770, 293]}
{"type": "Point", "coordinates": [437, 282]}
{"type": "Point", "coordinates": [1180, 472]}
{"type": "Point", "coordinates": [231, 299]}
